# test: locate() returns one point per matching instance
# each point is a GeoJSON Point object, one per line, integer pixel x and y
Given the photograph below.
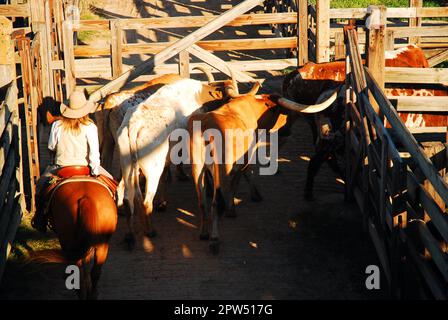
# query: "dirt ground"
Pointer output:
{"type": "Point", "coordinates": [280, 248]}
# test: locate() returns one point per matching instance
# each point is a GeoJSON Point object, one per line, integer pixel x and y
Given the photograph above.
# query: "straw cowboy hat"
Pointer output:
{"type": "Point", "coordinates": [78, 106]}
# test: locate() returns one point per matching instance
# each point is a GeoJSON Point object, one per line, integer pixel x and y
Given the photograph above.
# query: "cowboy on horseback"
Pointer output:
{"type": "Point", "coordinates": [73, 141]}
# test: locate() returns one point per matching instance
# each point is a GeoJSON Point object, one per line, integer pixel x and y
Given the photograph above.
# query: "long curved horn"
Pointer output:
{"type": "Point", "coordinates": [233, 78]}
{"type": "Point", "coordinates": [304, 108]}
{"type": "Point", "coordinates": [254, 89]}
{"type": "Point", "coordinates": [232, 93]}
{"type": "Point", "coordinates": [207, 72]}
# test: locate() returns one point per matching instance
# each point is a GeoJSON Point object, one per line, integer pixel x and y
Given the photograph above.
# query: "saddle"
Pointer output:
{"type": "Point", "coordinates": [70, 174]}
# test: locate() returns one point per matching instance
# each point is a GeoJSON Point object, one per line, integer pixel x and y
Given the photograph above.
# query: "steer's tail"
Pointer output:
{"type": "Point", "coordinates": [134, 177]}
{"type": "Point", "coordinates": [129, 165]}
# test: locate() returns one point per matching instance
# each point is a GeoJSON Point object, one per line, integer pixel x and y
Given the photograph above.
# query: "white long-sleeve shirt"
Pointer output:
{"type": "Point", "coordinates": [82, 149]}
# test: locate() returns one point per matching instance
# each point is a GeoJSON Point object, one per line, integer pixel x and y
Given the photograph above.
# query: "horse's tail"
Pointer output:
{"type": "Point", "coordinates": [47, 256]}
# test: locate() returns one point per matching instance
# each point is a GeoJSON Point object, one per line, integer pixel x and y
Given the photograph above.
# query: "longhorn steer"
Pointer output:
{"type": "Point", "coordinates": [111, 113]}
{"type": "Point", "coordinates": [144, 145]}
{"type": "Point", "coordinates": [228, 159]}
{"type": "Point", "coordinates": [312, 80]}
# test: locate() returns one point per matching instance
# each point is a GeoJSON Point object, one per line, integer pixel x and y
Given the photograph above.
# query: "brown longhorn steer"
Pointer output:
{"type": "Point", "coordinates": [227, 148]}
{"type": "Point", "coordinates": [307, 83]}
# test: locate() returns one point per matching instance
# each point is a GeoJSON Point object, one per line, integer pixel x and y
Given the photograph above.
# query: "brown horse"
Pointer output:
{"type": "Point", "coordinates": [83, 214]}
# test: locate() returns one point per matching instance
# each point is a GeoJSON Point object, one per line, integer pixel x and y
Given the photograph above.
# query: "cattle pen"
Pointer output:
{"type": "Point", "coordinates": [396, 170]}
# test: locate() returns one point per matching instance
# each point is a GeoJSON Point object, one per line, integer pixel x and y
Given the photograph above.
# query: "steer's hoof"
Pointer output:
{"type": "Point", "coordinates": [151, 234]}
{"type": "Point", "coordinates": [204, 236]}
{"type": "Point", "coordinates": [214, 247]}
{"type": "Point", "coordinates": [161, 207]}
{"type": "Point", "coordinates": [129, 239]}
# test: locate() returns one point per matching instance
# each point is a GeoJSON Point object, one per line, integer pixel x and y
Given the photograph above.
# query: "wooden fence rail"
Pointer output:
{"type": "Point", "coordinates": [401, 193]}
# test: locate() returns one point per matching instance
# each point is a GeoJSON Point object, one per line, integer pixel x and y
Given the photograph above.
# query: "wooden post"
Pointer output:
{"type": "Point", "coordinates": [375, 41]}
{"type": "Point", "coordinates": [116, 47]}
{"type": "Point", "coordinates": [184, 64]}
{"type": "Point", "coordinates": [390, 40]}
{"type": "Point", "coordinates": [302, 28]}
{"type": "Point", "coordinates": [69, 59]}
{"type": "Point", "coordinates": [415, 22]}
{"type": "Point", "coordinates": [322, 31]}
{"type": "Point", "coordinates": [46, 42]}
{"type": "Point", "coordinates": [339, 46]}
{"type": "Point", "coordinates": [6, 51]}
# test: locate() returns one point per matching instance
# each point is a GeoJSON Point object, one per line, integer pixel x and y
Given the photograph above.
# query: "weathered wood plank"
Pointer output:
{"type": "Point", "coordinates": [218, 63]}
{"type": "Point", "coordinates": [15, 10]}
{"type": "Point", "coordinates": [376, 33]}
{"type": "Point", "coordinates": [5, 144]}
{"type": "Point", "coordinates": [322, 31]}
{"type": "Point", "coordinates": [415, 22]}
{"type": "Point", "coordinates": [7, 174]}
{"type": "Point", "coordinates": [403, 32]}
{"type": "Point", "coordinates": [420, 104]}
{"type": "Point", "coordinates": [184, 64]}
{"type": "Point", "coordinates": [69, 68]}
{"type": "Point", "coordinates": [211, 45]}
{"type": "Point", "coordinates": [190, 21]}
{"type": "Point", "coordinates": [428, 130]}
{"type": "Point", "coordinates": [116, 50]}
{"type": "Point", "coordinates": [438, 58]}
{"type": "Point", "coordinates": [249, 65]}
{"type": "Point", "coordinates": [302, 22]}
{"type": "Point", "coordinates": [360, 13]}
{"type": "Point", "coordinates": [417, 75]}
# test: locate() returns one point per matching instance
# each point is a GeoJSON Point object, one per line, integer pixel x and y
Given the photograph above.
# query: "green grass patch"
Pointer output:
{"type": "Point", "coordinates": [87, 36]}
{"type": "Point", "coordinates": [387, 3]}
{"type": "Point", "coordinates": [29, 240]}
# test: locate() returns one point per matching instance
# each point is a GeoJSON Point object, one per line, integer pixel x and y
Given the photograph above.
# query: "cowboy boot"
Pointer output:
{"type": "Point", "coordinates": [39, 221]}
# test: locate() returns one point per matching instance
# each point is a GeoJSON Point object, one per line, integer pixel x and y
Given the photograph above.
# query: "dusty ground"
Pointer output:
{"type": "Point", "coordinates": [281, 248]}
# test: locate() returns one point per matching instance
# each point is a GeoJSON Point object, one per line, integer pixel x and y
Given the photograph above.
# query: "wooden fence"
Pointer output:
{"type": "Point", "coordinates": [105, 61]}
{"type": "Point", "coordinates": [401, 193]}
{"type": "Point", "coordinates": [324, 37]}
{"type": "Point", "coordinates": [11, 186]}
{"type": "Point", "coordinates": [23, 91]}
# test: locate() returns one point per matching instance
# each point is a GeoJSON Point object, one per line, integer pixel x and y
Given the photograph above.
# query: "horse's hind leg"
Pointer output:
{"type": "Point", "coordinates": [100, 258]}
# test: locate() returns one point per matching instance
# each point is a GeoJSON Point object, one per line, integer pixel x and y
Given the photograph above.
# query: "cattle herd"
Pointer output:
{"type": "Point", "coordinates": [219, 131]}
